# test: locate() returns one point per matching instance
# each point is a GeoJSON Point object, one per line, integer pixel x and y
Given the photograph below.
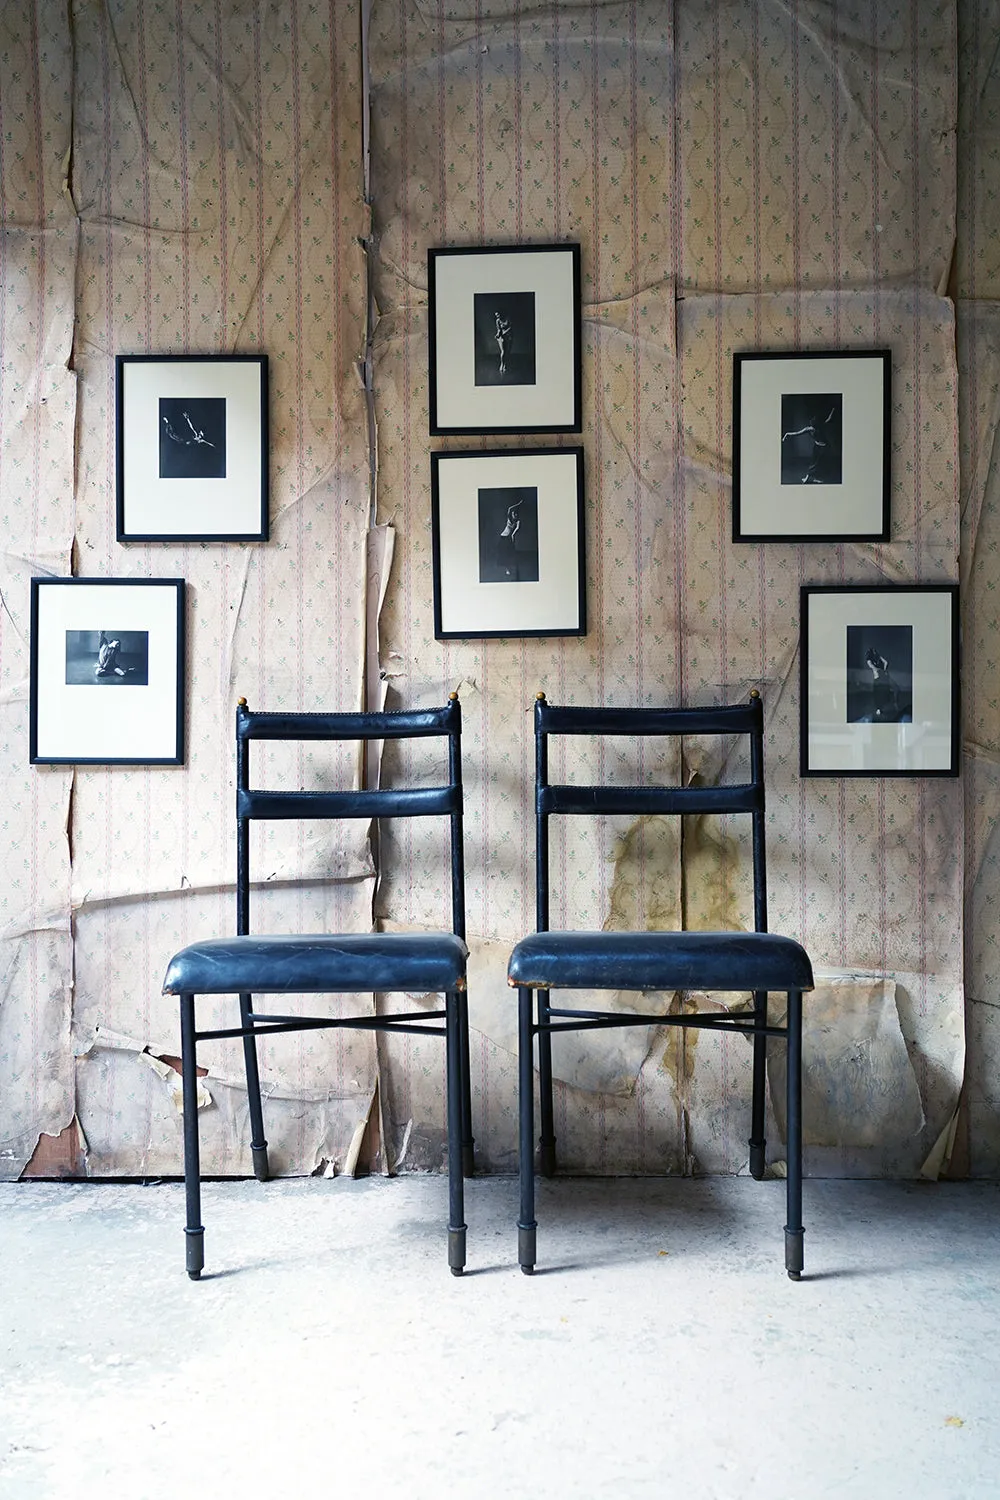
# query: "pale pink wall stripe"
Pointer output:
{"type": "Point", "coordinates": [401, 1084]}
{"type": "Point", "coordinates": [917, 497]}
{"type": "Point", "coordinates": [105, 773]}
{"type": "Point", "coordinates": [800, 551]}
{"type": "Point", "coordinates": [298, 209]}
{"type": "Point", "coordinates": [185, 252]}
{"type": "Point", "coordinates": [42, 317]}
{"type": "Point", "coordinates": [260, 556]}
{"type": "Point", "coordinates": [339, 1038]}
{"type": "Point", "coordinates": [842, 946]}
{"type": "Point", "coordinates": [721, 387]}
{"type": "Point", "coordinates": [222, 176]}
{"type": "Point", "coordinates": [142, 106]}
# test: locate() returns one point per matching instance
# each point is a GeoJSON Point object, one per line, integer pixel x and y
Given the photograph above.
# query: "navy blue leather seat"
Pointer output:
{"type": "Point", "coordinates": [333, 963]}
{"type": "Point", "coordinates": [723, 962]}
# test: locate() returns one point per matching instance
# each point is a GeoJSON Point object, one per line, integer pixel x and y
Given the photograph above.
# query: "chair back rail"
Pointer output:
{"type": "Point", "coordinates": [737, 718]}
{"type": "Point", "coordinates": [386, 802]}
{"type": "Point", "coordinates": [745, 719]}
{"type": "Point", "coordinates": [260, 804]}
{"type": "Point", "coordinates": [405, 725]}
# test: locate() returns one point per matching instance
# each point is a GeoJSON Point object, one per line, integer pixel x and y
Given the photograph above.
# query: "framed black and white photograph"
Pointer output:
{"type": "Point", "coordinates": [880, 674]}
{"type": "Point", "coordinates": [107, 671]}
{"type": "Point", "coordinates": [504, 335]}
{"type": "Point", "coordinates": [811, 446]}
{"type": "Point", "coordinates": [192, 448]}
{"type": "Point", "coordinates": [507, 530]}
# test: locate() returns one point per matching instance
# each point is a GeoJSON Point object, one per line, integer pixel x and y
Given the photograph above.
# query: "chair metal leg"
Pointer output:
{"type": "Point", "coordinates": [456, 1185]}
{"type": "Point", "coordinates": [758, 1144]}
{"type": "Point", "coordinates": [468, 1143]}
{"type": "Point", "coordinates": [193, 1231]}
{"type": "Point", "coordinates": [793, 1229]}
{"type": "Point", "coordinates": [526, 1225]}
{"type": "Point", "coordinates": [547, 1132]}
{"type": "Point", "coordinates": [258, 1144]}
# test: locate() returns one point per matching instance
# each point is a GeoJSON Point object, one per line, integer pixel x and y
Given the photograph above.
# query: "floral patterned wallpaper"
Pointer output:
{"type": "Point", "coordinates": [743, 174]}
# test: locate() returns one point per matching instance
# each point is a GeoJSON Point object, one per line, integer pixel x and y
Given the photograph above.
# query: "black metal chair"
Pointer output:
{"type": "Point", "coordinates": [328, 963]}
{"type": "Point", "coordinates": [655, 961]}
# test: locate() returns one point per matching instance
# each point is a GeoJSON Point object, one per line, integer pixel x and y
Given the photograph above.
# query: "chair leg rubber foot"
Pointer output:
{"type": "Point", "coordinates": [527, 1270]}
{"type": "Point", "coordinates": [547, 1158]}
{"type": "Point", "coordinates": [794, 1253]}
{"type": "Point", "coordinates": [261, 1170]}
{"type": "Point", "coordinates": [526, 1253]}
{"type": "Point", "coordinates": [468, 1160]}
{"type": "Point", "coordinates": [194, 1252]}
{"type": "Point", "coordinates": [757, 1159]}
{"type": "Point", "coordinates": [456, 1250]}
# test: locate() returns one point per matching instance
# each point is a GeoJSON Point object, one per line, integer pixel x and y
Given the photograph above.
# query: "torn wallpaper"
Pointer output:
{"type": "Point", "coordinates": [739, 176]}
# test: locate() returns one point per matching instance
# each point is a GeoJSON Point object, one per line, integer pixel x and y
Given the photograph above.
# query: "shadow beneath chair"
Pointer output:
{"type": "Point", "coordinates": [855, 1273]}
{"type": "Point", "coordinates": [233, 1271]}
{"type": "Point", "coordinates": [496, 1269]}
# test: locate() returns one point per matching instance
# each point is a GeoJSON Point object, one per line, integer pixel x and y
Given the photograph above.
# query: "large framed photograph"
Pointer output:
{"type": "Point", "coordinates": [192, 448]}
{"type": "Point", "coordinates": [811, 446]}
{"type": "Point", "coordinates": [107, 671]}
{"type": "Point", "coordinates": [504, 334]}
{"type": "Point", "coordinates": [507, 530]}
{"type": "Point", "coordinates": [879, 692]}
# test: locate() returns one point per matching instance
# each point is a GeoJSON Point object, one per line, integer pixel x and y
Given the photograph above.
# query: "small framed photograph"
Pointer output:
{"type": "Point", "coordinates": [107, 671]}
{"type": "Point", "coordinates": [504, 334]}
{"type": "Point", "coordinates": [192, 448]}
{"type": "Point", "coordinates": [811, 446]}
{"type": "Point", "coordinates": [880, 680]}
{"type": "Point", "coordinates": [507, 531]}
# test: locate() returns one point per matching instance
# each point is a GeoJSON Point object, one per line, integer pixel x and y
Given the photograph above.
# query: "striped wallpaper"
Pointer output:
{"type": "Point", "coordinates": [739, 174]}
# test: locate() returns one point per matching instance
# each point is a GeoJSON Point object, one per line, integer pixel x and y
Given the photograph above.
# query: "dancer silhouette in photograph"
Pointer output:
{"type": "Point", "coordinates": [879, 674]}
{"type": "Point", "coordinates": [812, 438]}
{"type": "Point", "coordinates": [108, 662]}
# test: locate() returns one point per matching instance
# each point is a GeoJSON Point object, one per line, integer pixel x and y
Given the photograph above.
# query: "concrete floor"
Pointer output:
{"type": "Point", "coordinates": [659, 1351]}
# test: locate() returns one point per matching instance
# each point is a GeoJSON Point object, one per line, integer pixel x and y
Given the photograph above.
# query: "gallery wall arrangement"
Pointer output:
{"type": "Point", "coordinates": [628, 366]}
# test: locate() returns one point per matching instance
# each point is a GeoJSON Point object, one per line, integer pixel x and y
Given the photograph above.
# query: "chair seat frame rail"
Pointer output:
{"type": "Point", "coordinates": [558, 961]}
{"type": "Point", "coordinates": [371, 963]}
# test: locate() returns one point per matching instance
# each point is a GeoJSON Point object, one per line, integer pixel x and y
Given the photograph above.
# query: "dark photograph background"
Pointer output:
{"type": "Point", "coordinates": [879, 674]}
{"type": "Point", "coordinates": [192, 437]}
{"type": "Point", "coordinates": [812, 438]}
{"type": "Point", "coordinates": [504, 335]}
{"type": "Point", "coordinates": [508, 535]}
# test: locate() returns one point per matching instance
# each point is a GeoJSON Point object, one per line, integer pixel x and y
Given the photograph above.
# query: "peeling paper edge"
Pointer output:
{"type": "Point", "coordinates": [174, 1083]}
{"type": "Point", "coordinates": [939, 1155]}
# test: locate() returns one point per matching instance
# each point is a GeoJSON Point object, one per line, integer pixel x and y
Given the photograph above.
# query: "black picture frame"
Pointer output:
{"type": "Point", "coordinates": [508, 539]}
{"type": "Point", "coordinates": [812, 445]}
{"type": "Point", "coordinates": [123, 638]}
{"type": "Point", "coordinates": [504, 327]}
{"type": "Point", "coordinates": [191, 447]}
{"type": "Point", "coordinates": [879, 686]}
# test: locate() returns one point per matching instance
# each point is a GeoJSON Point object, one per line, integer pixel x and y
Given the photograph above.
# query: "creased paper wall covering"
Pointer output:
{"type": "Point", "coordinates": [213, 204]}
{"type": "Point", "coordinates": [741, 174]}
{"type": "Point", "coordinates": [977, 288]}
{"type": "Point", "coordinates": [38, 251]}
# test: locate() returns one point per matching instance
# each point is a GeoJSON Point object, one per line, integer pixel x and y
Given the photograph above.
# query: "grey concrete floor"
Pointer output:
{"type": "Point", "coordinates": [660, 1350]}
